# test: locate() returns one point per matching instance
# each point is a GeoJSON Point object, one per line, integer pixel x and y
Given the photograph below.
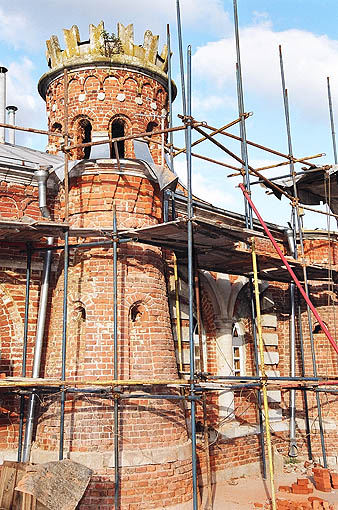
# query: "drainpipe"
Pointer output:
{"type": "Point", "coordinates": [41, 175]}
{"type": "Point", "coordinates": [3, 71]}
{"type": "Point", "coordinates": [11, 120]}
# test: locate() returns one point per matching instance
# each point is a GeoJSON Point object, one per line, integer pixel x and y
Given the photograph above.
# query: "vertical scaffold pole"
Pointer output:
{"type": "Point", "coordinates": [293, 450]}
{"type": "Point", "coordinates": [186, 104]}
{"type": "Point", "coordinates": [203, 369]}
{"type": "Point", "coordinates": [64, 344]}
{"type": "Point", "coordinates": [180, 49]}
{"type": "Point", "coordinates": [116, 400]}
{"type": "Point", "coordinates": [191, 286]}
{"type": "Point", "coordinates": [170, 102]}
{"type": "Point", "coordinates": [24, 349]}
{"type": "Point", "coordinates": [248, 221]}
{"type": "Point", "coordinates": [296, 216]}
{"type": "Point", "coordinates": [305, 393]}
{"type": "Point", "coordinates": [65, 274]}
{"type": "Point", "coordinates": [262, 367]}
{"type": "Point", "coordinates": [333, 134]}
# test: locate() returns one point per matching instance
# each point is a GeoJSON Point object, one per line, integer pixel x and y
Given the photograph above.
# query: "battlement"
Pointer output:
{"type": "Point", "coordinates": [103, 48]}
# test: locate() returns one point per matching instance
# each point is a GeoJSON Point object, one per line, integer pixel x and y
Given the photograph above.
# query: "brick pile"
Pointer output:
{"type": "Point", "coordinates": [312, 503]}
{"type": "Point", "coordinates": [303, 486]}
{"type": "Point", "coordinates": [322, 479]}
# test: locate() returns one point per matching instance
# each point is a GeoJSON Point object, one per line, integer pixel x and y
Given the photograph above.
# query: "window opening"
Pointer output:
{"type": "Point", "coordinates": [151, 127]}
{"type": "Point", "coordinates": [117, 130]}
{"type": "Point", "coordinates": [237, 351]}
{"type": "Point", "coordinates": [56, 127]}
{"type": "Point", "coordinates": [86, 135]}
{"type": "Point", "coordinates": [198, 367]}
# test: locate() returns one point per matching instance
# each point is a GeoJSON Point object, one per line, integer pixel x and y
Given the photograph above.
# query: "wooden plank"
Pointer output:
{"type": "Point", "coordinates": [17, 497]}
{"type": "Point", "coordinates": [8, 476]}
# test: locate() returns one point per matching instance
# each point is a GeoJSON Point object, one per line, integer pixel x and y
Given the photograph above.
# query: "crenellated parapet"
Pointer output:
{"type": "Point", "coordinates": [102, 48]}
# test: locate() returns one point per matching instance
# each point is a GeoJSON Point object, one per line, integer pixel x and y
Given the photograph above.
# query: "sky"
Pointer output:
{"type": "Point", "coordinates": [306, 30]}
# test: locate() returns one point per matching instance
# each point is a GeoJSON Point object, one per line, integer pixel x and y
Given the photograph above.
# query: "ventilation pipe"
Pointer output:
{"type": "Point", "coordinates": [11, 120]}
{"type": "Point", "coordinates": [41, 175]}
{"type": "Point", "coordinates": [3, 71]}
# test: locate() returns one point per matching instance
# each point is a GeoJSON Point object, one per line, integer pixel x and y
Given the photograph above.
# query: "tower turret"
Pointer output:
{"type": "Point", "coordinates": [115, 87]}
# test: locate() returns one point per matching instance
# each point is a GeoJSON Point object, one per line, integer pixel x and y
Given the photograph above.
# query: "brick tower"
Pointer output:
{"type": "Point", "coordinates": [115, 88]}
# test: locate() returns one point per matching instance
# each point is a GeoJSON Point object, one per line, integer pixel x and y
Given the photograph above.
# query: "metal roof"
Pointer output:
{"type": "Point", "coordinates": [15, 155]}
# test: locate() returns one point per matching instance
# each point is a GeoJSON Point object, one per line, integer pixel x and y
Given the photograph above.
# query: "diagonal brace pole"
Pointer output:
{"type": "Point", "coordinates": [288, 267]}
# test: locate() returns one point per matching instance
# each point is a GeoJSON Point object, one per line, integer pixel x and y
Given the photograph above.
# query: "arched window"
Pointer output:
{"type": "Point", "coordinates": [56, 127]}
{"type": "Point", "coordinates": [118, 130]}
{"type": "Point", "coordinates": [238, 361]}
{"type": "Point", "coordinates": [85, 128]}
{"type": "Point", "coordinates": [151, 127]}
{"type": "Point", "coordinates": [83, 134]}
{"type": "Point", "coordinates": [198, 355]}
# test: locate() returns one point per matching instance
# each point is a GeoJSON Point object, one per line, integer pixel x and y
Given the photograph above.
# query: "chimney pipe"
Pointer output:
{"type": "Point", "coordinates": [41, 175]}
{"type": "Point", "coordinates": [3, 71]}
{"type": "Point", "coordinates": [11, 120]}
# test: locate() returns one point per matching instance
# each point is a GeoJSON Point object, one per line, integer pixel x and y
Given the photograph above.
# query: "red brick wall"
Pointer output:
{"type": "Point", "coordinates": [113, 83]}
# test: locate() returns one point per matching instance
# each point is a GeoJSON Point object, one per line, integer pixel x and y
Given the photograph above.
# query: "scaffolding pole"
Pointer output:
{"type": "Point", "coordinates": [65, 273]}
{"type": "Point", "coordinates": [296, 217]}
{"type": "Point", "coordinates": [262, 367]}
{"type": "Point", "coordinates": [116, 397]}
{"type": "Point", "coordinates": [24, 350]}
{"type": "Point", "coordinates": [191, 285]}
{"type": "Point", "coordinates": [249, 222]}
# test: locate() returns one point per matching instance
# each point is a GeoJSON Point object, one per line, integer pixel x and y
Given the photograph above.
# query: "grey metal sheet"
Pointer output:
{"type": "Point", "coordinates": [23, 156]}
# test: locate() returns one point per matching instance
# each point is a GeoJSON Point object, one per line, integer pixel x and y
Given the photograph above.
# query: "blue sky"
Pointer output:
{"type": "Point", "coordinates": [307, 30]}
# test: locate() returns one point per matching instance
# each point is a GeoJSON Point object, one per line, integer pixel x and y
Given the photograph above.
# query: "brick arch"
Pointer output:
{"type": "Point", "coordinates": [89, 84]}
{"type": "Point", "coordinates": [131, 79]}
{"type": "Point", "coordinates": [78, 132]}
{"type": "Point", "coordinates": [85, 111]}
{"type": "Point", "coordinates": [11, 333]}
{"type": "Point", "coordinates": [111, 85]}
{"type": "Point", "coordinates": [9, 207]}
{"type": "Point", "coordinates": [58, 90]}
{"type": "Point", "coordinates": [82, 310]}
{"type": "Point", "coordinates": [113, 76]}
{"type": "Point", "coordinates": [31, 208]}
{"type": "Point", "coordinates": [128, 144]}
{"type": "Point", "coordinates": [159, 93]}
{"type": "Point", "coordinates": [72, 86]}
{"type": "Point", "coordinates": [145, 87]}
{"type": "Point", "coordinates": [138, 312]}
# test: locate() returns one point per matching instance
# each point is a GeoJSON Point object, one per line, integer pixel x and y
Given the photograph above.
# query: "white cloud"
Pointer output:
{"type": "Point", "coordinates": [308, 60]}
{"type": "Point", "coordinates": [210, 182]}
{"type": "Point", "coordinates": [204, 187]}
{"type": "Point", "coordinates": [13, 27]}
{"type": "Point", "coordinates": [28, 24]}
{"type": "Point", "coordinates": [21, 92]}
{"type": "Point", "coordinates": [206, 104]}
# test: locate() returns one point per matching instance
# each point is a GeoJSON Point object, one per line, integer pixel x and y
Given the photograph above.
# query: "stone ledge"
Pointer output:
{"type": "Point", "coordinates": [100, 460]}
{"type": "Point", "coordinates": [234, 430]}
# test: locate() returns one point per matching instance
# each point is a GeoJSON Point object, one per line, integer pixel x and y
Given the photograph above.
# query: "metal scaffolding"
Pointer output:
{"type": "Point", "coordinates": [187, 237]}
